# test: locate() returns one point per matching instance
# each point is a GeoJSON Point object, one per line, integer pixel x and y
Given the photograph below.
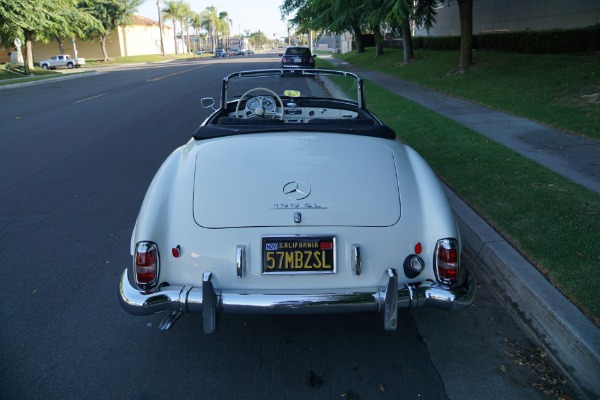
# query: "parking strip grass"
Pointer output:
{"type": "Point", "coordinates": [562, 90]}
{"type": "Point", "coordinates": [552, 221]}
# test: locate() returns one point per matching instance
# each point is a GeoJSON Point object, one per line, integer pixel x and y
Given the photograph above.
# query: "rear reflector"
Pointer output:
{"type": "Point", "coordinates": [146, 262]}
{"type": "Point", "coordinates": [447, 260]}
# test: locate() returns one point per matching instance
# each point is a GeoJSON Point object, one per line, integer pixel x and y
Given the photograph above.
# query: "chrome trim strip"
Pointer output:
{"type": "Point", "coordinates": [240, 261]}
{"type": "Point", "coordinates": [356, 260]}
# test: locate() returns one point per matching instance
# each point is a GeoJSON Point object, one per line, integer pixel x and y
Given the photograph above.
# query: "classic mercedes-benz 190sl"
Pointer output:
{"type": "Point", "coordinates": [291, 198]}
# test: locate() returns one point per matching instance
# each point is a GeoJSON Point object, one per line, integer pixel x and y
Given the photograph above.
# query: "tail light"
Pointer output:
{"type": "Point", "coordinates": [447, 261]}
{"type": "Point", "coordinates": [146, 264]}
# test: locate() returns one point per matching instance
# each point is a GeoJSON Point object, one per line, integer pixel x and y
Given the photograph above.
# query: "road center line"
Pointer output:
{"type": "Point", "coordinates": [174, 74]}
{"type": "Point", "coordinates": [89, 98]}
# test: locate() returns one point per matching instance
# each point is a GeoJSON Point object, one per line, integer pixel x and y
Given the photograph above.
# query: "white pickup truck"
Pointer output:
{"type": "Point", "coordinates": [62, 61]}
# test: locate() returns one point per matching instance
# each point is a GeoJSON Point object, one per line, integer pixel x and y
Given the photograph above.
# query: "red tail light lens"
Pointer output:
{"type": "Point", "coordinates": [146, 262]}
{"type": "Point", "coordinates": [447, 260]}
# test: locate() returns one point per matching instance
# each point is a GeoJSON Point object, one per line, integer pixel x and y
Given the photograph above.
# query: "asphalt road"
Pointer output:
{"type": "Point", "coordinates": [76, 157]}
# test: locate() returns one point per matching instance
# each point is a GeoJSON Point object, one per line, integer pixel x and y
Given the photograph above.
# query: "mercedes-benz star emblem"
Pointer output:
{"type": "Point", "coordinates": [296, 190]}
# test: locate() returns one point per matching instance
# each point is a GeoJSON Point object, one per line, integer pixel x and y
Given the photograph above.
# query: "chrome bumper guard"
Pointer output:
{"type": "Point", "coordinates": [209, 301]}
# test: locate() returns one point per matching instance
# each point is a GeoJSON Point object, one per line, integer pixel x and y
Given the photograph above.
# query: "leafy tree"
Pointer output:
{"type": "Point", "coordinates": [420, 12]}
{"type": "Point", "coordinates": [80, 21]}
{"type": "Point", "coordinates": [336, 16]}
{"type": "Point", "coordinates": [258, 39]}
{"type": "Point", "coordinates": [31, 19]}
{"type": "Point", "coordinates": [111, 14]}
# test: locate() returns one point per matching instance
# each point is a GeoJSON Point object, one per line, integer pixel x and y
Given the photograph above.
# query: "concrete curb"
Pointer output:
{"type": "Point", "coordinates": [49, 80]}
{"type": "Point", "coordinates": [569, 338]}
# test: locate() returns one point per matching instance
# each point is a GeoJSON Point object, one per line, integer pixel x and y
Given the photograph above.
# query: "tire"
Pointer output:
{"type": "Point", "coordinates": [70, 65]}
{"type": "Point", "coordinates": [45, 66]}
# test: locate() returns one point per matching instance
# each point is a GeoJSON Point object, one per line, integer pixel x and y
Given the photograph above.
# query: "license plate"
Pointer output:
{"type": "Point", "coordinates": [297, 60]}
{"type": "Point", "coordinates": [298, 254]}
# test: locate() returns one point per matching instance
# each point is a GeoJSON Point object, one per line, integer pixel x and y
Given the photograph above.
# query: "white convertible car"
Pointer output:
{"type": "Point", "coordinates": [293, 198]}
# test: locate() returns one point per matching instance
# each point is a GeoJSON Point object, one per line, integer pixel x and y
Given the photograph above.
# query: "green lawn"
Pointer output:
{"type": "Point", "coordinates": [548, 88]}
{"type": "Point", "coordinates": [7, 77]}
{"type": "Point", "coordinates": [553, 222]}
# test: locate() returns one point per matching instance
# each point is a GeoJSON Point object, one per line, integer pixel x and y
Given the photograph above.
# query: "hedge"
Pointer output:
{"type": "Point", "coordinates": [533, 42]}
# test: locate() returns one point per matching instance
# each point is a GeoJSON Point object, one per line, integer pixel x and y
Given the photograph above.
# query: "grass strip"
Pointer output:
{"type": "Point", "coordinates": [552, 221]}
{"type": "Point", "coordinates": [562, 90]}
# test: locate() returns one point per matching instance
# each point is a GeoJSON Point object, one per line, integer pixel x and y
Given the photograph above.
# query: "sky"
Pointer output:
{"type": "Point", "coordinates": [254, 15]}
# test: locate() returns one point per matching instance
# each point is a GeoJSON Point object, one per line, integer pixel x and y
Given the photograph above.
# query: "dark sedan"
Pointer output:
{"type": "Point", "coordinates": [297, 57]}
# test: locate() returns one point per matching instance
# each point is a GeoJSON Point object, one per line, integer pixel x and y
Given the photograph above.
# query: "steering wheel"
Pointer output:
{"type": "Point", "coordinates": [260, 110]}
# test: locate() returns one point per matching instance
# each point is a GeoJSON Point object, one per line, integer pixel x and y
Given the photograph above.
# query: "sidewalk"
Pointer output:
{"type": "Point", "coordinates": [569, 338]}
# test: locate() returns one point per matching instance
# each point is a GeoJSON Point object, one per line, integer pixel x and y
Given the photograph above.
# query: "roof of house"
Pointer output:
{"type": "Point", "coordinates": [139, 20]}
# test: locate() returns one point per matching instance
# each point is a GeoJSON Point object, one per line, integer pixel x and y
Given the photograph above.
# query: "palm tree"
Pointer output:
{"type": "Point", "coordinates": [185, 12]}
{"type": "Point", "coordinates": [210, 20]}
{"type": "Point", "coordinates": [196, 23]}
{"type": "Point", "coordinates": [226, 24]}
{"type": "Point", "coordinates": [172, 12]}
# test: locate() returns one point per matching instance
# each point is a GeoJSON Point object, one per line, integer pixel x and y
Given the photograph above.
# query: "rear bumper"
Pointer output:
{"type": "Point", "coordinates": [207, 300]}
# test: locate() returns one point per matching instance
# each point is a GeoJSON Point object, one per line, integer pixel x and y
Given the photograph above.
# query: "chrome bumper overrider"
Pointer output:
{"type": "Point", "coordinates": [208, 301]}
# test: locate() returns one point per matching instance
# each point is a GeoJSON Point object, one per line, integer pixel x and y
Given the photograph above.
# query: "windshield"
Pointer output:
{"type": "Point", "coordinates": [322, 84]}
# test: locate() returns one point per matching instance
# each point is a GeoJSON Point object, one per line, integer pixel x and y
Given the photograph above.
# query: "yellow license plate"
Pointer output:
{"type": "Point", "coordinates": [298, 254]}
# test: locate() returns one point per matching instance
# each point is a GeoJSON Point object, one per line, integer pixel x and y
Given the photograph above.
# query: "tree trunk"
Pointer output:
{"type": "Point", "coordinates": [175, 35]}
{"type": "Point", "coordinates": [28, 64]}
{"type": "Point", "coordinates": [378, 40]}
{"type": "Point", "coordinates": [358, 38]}
{"type": "Point", "coordinates": [407, 45]}
{"type": "Point", "coordinates": [189, 44]}
{"type": "Point", "coordinates": [103, 47]}
{"type": "Point", "coordinates": [60, 42]}
{"type": "Point", "coordinates": [465, 10]}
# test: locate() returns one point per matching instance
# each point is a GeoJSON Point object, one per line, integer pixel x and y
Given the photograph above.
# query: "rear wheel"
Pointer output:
{"type": "Point", "coordinates": [70, 65]}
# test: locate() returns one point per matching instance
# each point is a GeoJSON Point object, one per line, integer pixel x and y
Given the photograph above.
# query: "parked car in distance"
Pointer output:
{"type": "Point", "coordinates": [293, 198]}
{"type": "Point", "coordinates": [62, 60]}
{"type": "Point", "coordinates": [220, 53]}
{"type": "Point", "coordinates": [247, 52]}
{"type": "Point", "coordinates": [297, 57]}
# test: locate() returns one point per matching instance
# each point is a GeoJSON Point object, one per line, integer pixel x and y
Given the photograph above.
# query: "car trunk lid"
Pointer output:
{"type": "Point", "coordinates": [264, 180]}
